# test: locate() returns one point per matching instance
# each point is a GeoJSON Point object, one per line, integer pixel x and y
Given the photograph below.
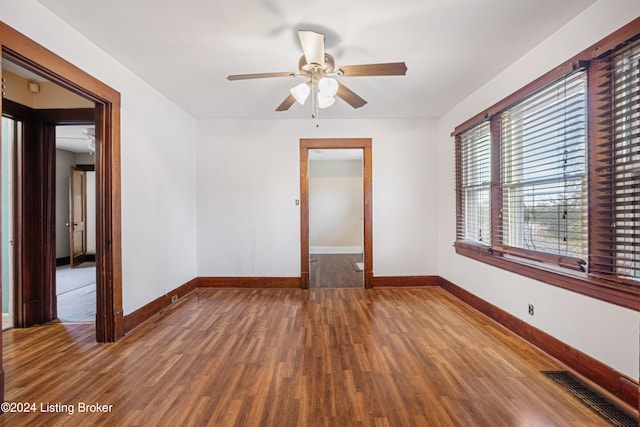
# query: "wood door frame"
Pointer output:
{"type": "Point", "coordinates": [307, 144]}
{"type": "Point", "coordinates": [32, 56]}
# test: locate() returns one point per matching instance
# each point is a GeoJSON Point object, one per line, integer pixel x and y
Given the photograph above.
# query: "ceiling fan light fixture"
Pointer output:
{"type": "Point", "coordinates": [328, 87]}
{"type": "Point", "coordinates": [300, 93]}
{"type": "Point", "coordinates": [319, 68]}
{"type": "Point", "coordinates": [325, 101]}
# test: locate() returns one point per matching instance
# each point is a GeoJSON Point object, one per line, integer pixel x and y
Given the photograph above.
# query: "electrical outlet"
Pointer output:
{"type": "Point", "coordinates": [531, 309]}
{"type": "Point", "coordinates": [174, 299]}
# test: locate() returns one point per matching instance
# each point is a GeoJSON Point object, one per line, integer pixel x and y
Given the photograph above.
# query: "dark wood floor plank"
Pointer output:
{"type": "Point", "coordinates": [292, 357]}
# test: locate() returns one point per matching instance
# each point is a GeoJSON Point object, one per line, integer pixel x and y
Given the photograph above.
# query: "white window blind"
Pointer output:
{"type": "Point", "coordinates": [542, 174]}
{"type": "Point", "coordinates": [475, 175]}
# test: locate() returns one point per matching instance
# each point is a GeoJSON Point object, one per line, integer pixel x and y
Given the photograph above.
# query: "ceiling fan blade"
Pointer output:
{"type": "Point", "coordinates": [286, 104]}
{"type": "Point", "coordinates": [260, 75]}
{"type": "Point", "coordinates": [349, 96]}
{"type": "Point", "coordinates": [388, 69]}
{"type": "Point", "coordinates": [313, 46]}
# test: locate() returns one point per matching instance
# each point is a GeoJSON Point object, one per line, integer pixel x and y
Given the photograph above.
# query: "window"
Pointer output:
{"type": "Point", "coordinates": [542, 171]}
{"type": "Point", "coordinates": [548, 179]}
{"type": "Point", "coordinates": [618, 169]}
{"type": "Point", "coordinates": [474, 159]}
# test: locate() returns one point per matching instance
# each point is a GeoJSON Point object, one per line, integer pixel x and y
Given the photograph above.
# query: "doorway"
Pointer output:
{"type": "Point", "coordinates": [336, 222]}
{"type": "Point", "coordinates": [34, 302]}
{"type": "Point", "coordinates": [75, 223]}
{"type": "Point", "coordinates": [307, 146]}
{"type": "Point", "coordinates": [11, 130]}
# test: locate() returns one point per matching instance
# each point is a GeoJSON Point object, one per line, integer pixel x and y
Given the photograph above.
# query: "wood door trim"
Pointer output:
{"type": "Point", "coordinates": [28, 53]}
{"type": "Point", "coordinates": [307, 144]}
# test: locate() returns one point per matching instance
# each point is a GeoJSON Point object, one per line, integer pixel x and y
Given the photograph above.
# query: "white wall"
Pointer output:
{"type": "Point", "coordinates": [248, 180]}
{"type": "Point", "coordinates": [158, 155]}
{"type": "Point", "coordinates": [335, 205]}
{"type": "Point", "coordinates": [604, 331]}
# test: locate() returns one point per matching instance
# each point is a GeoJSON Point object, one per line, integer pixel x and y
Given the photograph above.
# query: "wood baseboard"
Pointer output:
{"type": "Point", "coordinates": [405, 281]}
{"type": "Point", "coordinates": [618, 384]}
{"type": "Point", "coordinates": [67, 260]}
{"type": "Point", "coordinates": [248, 282]}
{"type": "Point", "coordinates": [63, 261]}
{"type": "Point", "coordinates": [144, 313]}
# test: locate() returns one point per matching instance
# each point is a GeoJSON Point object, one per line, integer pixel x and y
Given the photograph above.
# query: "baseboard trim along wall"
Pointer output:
{"type": "Point", "coordinates": [147, 311]}
{"type": "Point", "coordinates": [248, 282]}
{"type": "Point", "coordinates": [618, 384]}
{"type": "Point", "coordinates": [606, 377]}
{"type": "Point", "coordinates": [405, 281]}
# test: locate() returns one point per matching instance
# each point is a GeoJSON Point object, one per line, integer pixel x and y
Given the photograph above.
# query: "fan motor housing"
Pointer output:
{"type": "Point", "coordinates": [316, 71]}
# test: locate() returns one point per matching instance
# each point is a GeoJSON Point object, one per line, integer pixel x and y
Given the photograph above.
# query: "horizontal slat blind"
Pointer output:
{"type": "Point", "coordinates": [616, 234]}
{"type": "Point", "coordinates": [474, 166]}
{"type": "Point", "coordinates": [542, 174]}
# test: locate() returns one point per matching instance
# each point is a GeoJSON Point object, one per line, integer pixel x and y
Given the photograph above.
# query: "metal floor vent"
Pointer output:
{"type": "Point", "coordinates": [606, 408]}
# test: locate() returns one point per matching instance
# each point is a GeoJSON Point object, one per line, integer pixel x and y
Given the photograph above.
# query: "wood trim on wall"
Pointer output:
{"type": "Point", "coordinates": [248, 282]}
{"type": "Point", "coordinates": [34, 57]}
{"type": "Point", "coordinates": [327, 144]}
{"type": "Point", "coordinates": [602, 290]}
{"type": "Point", "coordinates": [147, 311]}
{"type": "Point", "coordinates": [405, 281]}
{"type": "Point", "coordinates": [618, 384]}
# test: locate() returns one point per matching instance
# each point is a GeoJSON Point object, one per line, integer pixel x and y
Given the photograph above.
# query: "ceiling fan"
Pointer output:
{"type": "Point", "coordinates": [319, 68]}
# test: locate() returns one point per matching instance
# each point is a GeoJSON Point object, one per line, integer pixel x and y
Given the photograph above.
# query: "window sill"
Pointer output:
{"type": "Point", "coordinates": [627, 296]}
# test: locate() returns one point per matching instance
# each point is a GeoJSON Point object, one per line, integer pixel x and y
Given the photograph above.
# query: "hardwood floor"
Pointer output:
{"type": "Point", "coordinates": [335, 271]}
{"type": "Point", "coordinates": [292, 357]}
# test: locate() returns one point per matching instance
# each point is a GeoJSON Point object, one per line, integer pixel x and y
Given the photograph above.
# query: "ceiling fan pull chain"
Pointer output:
{"type": "Point", "coordinates": [314, 101]}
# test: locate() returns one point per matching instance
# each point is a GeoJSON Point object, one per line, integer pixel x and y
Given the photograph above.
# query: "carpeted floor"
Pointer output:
{"type": "Point", "coordinates": [76, 291]}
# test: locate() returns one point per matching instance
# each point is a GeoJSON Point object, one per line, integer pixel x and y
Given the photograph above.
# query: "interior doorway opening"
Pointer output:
{"type": "Point", "coordinates": [48, 201]}
{"type": "Point", "coordinates": [34, 248]}
{"type": "Point", "coordinates": [75, 223]}
{"type": "Point", "coordinates": [11, 130]}
{"type": "Point", "coordinates": [362, 145]}
{"type": "Point", "coordinates": [336, 218]}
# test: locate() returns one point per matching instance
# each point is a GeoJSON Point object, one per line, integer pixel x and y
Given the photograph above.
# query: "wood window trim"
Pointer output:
{"type": "Point", "coordinates": [594, 287]}
{"type": "Point", "coordinates": [615, 290]}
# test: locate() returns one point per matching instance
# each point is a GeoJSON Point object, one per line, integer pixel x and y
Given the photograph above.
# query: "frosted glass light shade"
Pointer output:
{"type": "Point", "coordinates": [300, 93]}
{"type": "Point", "coordinates": [328, 87]}
{"type": "Point", "coordinates": [325, 101]}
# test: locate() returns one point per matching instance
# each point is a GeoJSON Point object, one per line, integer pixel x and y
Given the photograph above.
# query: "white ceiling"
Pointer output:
{"type": "Point", "coordinates": [20, 71]}
{"type": "Point", "coordinates": [186, 49]}
{"type": "Point", "coordinates": [74, 138]}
